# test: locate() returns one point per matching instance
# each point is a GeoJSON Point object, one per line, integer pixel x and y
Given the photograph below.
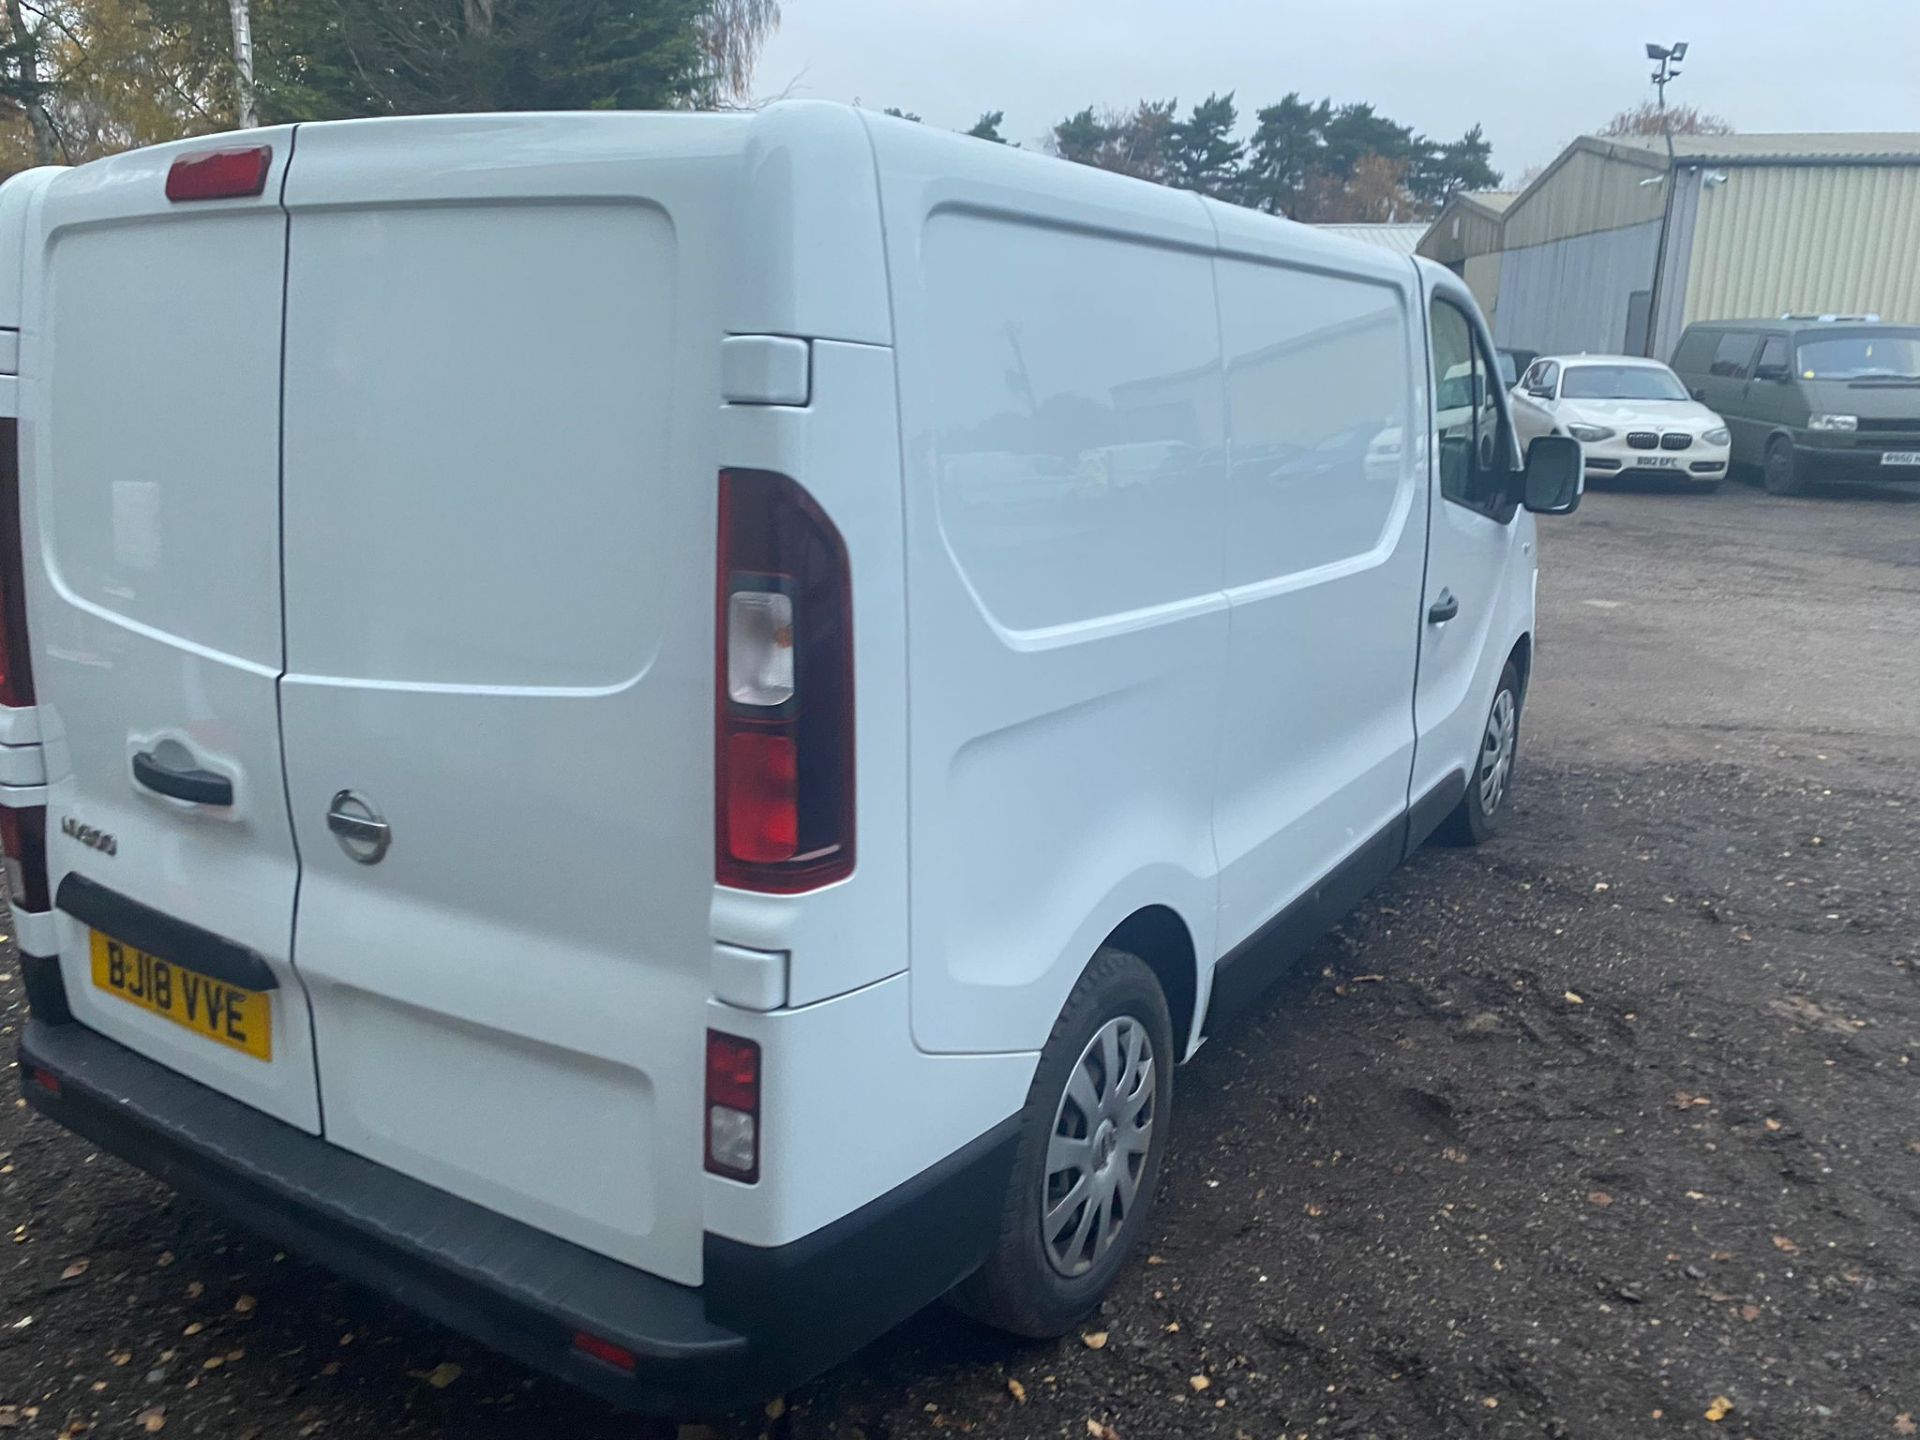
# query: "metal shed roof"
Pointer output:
{"type": "Point", "coordinates": [1894, 147]}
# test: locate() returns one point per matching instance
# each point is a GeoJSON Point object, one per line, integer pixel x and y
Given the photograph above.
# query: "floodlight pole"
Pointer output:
{"type": "Point", "coordinates": [249, 113]}
{"type": "Point", "coordinates": [1665, 57]}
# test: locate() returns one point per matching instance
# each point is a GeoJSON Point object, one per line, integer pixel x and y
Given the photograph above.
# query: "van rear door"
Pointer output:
{"type": "Point", "coordinates": [502, 371]}
{"type": "Point", "coordinates": [150, 422]}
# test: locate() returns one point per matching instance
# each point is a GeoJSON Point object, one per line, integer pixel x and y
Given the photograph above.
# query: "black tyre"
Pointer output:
{"type": "Point", "coordinates": [1484, 807]}
{"type": "Point", "coordinates": [1782, 473]}
{"type": "Point", "coordinates": [1093, 1132]}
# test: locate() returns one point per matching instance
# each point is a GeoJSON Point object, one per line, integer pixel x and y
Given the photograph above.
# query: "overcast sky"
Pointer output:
{"type": "Point", "coordinates": [1534, 74]}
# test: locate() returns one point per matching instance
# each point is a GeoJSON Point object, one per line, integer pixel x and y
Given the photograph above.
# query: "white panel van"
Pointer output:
{"type": "Point", "coordinates": [655, 732]}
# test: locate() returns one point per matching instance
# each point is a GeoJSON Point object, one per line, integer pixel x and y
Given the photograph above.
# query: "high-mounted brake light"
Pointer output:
{"type": "Point", "coordinates": [16, 669]}
{"type": "Point", "coordinates": [783, 690]}
{"type": "Point", "coordinates": [733, 1107]}
{"type": "Point", "coordinates": [220, 174]}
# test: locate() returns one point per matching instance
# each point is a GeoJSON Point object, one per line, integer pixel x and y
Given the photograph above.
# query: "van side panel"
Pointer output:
{"type": "Point", "coordinates": [1061, 415]}
{"type": "Point", "coordinates": [1326, 552]}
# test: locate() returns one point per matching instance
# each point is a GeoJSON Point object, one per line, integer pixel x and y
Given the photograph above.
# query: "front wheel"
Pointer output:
{"type": "Point", "coordinates": [1783, 474]}
{"type": "Point", "coordinates": [1482, 809]}
{"type": "Point", "coordinates": [1092, 1135]}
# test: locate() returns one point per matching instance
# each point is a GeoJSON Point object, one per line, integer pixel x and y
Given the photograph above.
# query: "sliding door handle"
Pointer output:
{"type": "Point", "coordinates": [1443, 609]}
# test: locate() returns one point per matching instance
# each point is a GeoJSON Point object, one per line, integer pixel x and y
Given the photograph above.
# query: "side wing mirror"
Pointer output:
{"type": "Point", "coordinates": [1551, 483]}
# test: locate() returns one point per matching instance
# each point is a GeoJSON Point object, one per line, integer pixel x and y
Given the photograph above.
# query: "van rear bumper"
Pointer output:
{"type": "Point", "coordinates": [765, 1320]}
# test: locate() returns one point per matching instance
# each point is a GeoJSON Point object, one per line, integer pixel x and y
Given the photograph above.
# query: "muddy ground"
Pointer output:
{"type": "Point", "coordinates": [1575, 1135]}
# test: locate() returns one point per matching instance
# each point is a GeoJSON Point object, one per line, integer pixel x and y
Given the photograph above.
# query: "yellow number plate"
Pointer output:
{"type": "Point", "coordinates": [226, 1014]}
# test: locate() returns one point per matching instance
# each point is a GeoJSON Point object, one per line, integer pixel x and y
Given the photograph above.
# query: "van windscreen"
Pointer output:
{"type": "Point", "coordinates": [1862, 355]}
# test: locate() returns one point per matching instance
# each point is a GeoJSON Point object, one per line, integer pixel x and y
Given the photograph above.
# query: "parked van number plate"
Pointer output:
{"type": "Point", "coordinates": [223, 1013]}
{"type": "Point", "coordinates": [1901, 457]}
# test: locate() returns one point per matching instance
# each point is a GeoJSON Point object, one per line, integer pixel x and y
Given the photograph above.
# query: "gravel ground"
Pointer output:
{"type": "Point", "coordinates": [1602, 1130]}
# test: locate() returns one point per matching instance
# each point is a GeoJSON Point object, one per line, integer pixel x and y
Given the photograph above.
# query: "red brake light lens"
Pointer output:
{"type": "Point", "coordinates": [606, 1352]}
{"type": "Point", "coordinates": [783, 690]}
{"type": "Point", "coordinates": [16, 669]}
{"type": "Point", "coordinates": [23, 842]}
{"type": "Point", "coordinates": [733, 1107]}
{"type": "Point", "coordinates": [220, 174]}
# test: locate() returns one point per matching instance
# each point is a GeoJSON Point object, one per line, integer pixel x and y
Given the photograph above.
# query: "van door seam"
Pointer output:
{"type": "Point", "coordinates": [280, 681]}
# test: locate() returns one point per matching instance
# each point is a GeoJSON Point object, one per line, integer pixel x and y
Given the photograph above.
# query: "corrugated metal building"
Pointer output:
{"type": "Point", "coordinates": [1401, 239]}
{"type": "Point", "coordinates": [1753, 225]}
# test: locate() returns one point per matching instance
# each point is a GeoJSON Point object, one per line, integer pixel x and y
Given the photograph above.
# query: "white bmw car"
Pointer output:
{"type": "Point", "coordinates": [1632, 416]}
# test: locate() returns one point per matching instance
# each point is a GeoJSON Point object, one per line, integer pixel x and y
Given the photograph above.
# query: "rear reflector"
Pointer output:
{"type": "Point", "coordinates": [733, 1107]}
{"type": "Point", "coordinates": [16, 671]}
{"type": "Point", "coordinates": [783, 690]}
{"type": "Point", "coordinates": [220, 174]}
{"type": "Point", "coordinates": [606, 1352]}
{"type": "Point", "coordinates": [23, 842]}
{"type": "Point", "coordinates": [45, 1079]}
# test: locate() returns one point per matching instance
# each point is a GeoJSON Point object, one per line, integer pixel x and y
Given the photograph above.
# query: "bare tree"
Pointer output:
{"type": "Point", "coordinates": [735, 31]}
{"type": "Point", "coordinates": [24, 85]}
{"type": "Point", "coordinates": [1646, 119]}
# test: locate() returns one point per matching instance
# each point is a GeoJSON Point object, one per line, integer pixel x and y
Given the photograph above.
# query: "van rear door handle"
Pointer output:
{"type": "Point", "coordinates": [202, 787]}
{"type": "Point", "coordinates": [1443, 609]}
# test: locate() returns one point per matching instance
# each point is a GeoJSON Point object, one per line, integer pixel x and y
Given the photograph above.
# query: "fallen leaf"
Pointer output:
{"type": "Point", "coordinates": [213, 1362]}
{"type": "Point", "coordinates": [1573, 999]}
{"type": "Point", "coordinates": [195, 1289]}
{"type": "Point", "coordinates": [1749, 1313]}
{"type": "Point", "coordinates": [1155, 1260]}
{"type": "Point", "coordinates": [1491, 1402]}
{"type": "Point", "coordinates": [1600, 1198]}
{"type": "Point", "coordinates": [153, 1419]}
{"type": "Point", "coordinates": [776, 1407]}
{"type": "Point", "coordinates": [1772, 1124]}
{"type": "Point", "coordinates": [194, 1329]}
{"type": "Point", "coordinates": [166, 1259]}
{"type": "Point", "coordinates": [1095, 1340]}
{"type": "Point", "coordinates": [1903, 1425]}
{"type": "Point", "coordinates": [1102, 1432]}
{"type": "Point", "coordinates": [1719, 1409]}
{"type": "Point", "coordinates": [442, 1375]}
{"type": "Point", "coordinates": [1601, 886]}
{"type": "Point", "coordinates": [75, 1270]}
{"type": "Point", "coordinates": [1173, 1327]}
{"type": "Point", "coordinates": [245, 1305]}
{"type": "Point", "coordinates": [1785, 1246]}
{"type": "Point", "coordinates": [1315, 1209]}
{"type": "Point", "coordinates": [1695, 1195]}
{"type": "Point", "coordinates": [9, 1416]}
{"type": "Point", "coordinates": [1017, 1390]}
{"type": "Point", "coordinates": [1455, 1154]}
{"type": "Point", "coordinates": [1199, 1383]}
{"type": "Point", "coordinates": [122, 1357]}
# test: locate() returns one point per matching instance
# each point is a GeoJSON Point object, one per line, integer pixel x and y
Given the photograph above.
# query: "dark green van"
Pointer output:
{"type": "Point", "coordinates": [1811, 397]}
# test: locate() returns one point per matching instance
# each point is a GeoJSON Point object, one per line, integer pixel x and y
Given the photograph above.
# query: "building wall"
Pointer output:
{"type": "Point", "coordinates": [1483, 279]}
{"type": "Point", "coordinates": [1812, 238]}
{"type": "Point", "coordinates": [1587, 191]}
{"type": "Point", "coordinates": [1573, 294]}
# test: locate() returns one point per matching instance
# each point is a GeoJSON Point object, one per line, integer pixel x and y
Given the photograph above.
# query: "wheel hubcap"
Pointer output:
{"type": "Point", "coordinates": [1496, 751]}
{"type": "Point", "coordinates": [1097, 1152]}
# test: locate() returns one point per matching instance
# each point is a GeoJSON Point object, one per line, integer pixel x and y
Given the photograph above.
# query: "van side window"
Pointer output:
{"type": "Point", "coordinates": [1773, 355]}
{"type": "Point", "coordinates": [1320, 405]}
{"type": "Point", "coordinates": [1693, 354]}
{"type": "Point", "coordinates": [1735, 354]}
{"type": "Point", "coordinates": [1468, 430]}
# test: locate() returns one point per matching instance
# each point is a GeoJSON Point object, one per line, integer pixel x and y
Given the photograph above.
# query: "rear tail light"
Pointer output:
{"type": "Point", "coordinates": [23, 841]}
{"type": "Point", "coordinates": [733, 1107]}
{"type": "Point", "coordinates": [783, 690]}
{"type": "Point", "coordinates": [606, 1352]}
{"type": "Point", "coordinates": [16, 672]}
{"type": "Point", "coordinates": [220, 174]}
